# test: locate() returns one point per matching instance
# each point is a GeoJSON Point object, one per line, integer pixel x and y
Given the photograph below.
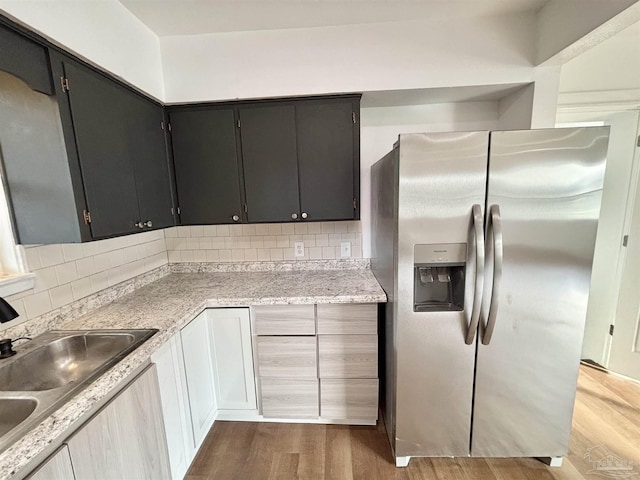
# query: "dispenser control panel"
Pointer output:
{"type": "Point", "coordinates": [440, 253]}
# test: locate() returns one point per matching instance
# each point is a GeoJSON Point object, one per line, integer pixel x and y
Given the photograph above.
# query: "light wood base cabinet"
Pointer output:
{"type": "Point", "coordinates": [349, 399]}
{"type": "Point", "coordinates": [57, 467]}
{"type": "Point", "coordinates": [289, 397]}
{"type": "Point", "coordinates": [126, 439]}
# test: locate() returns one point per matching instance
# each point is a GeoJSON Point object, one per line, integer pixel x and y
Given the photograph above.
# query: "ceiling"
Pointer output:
{"type": "Point", "coordinates": [195, 17]}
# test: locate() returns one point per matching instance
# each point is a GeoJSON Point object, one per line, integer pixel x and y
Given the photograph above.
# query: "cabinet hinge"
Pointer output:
{"type": "Point", "coordinates": [64, 83]}
{"type": "Point", "coordinates": [87, 216]}
{"type": "Point", "coordinates": [355, 204]}
{"type": "Point", "coordinates": [611, 328]}
{"type": "Point", "coordinates": [162, 125]}
{"type": "Point", "coordinates": [178, 210]}
{"type": "Point", "coordinates": [172, 211]}
{"type": "Point", "coordinates": [246, 209]}
{"type": "Point", "coordinates": [169, 126]}
{"type": "Point", "coordinates": [638, 144]}
{"type": "Point", "coordinates": [238, 123]}
{"type": "Point", "coordinates": [625, 240]}
{"type": "Point", "coordinates": [353, 117]}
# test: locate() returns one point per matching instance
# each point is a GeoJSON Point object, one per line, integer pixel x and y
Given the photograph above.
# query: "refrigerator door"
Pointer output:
{"type": "Point", "coordinates": [441, 177]}
{"type": "Point", "coordinates": [543, 203]}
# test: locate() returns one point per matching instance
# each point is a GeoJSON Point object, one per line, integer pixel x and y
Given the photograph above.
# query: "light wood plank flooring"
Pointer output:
{"type": "Point", "coordinates": [607, 414]}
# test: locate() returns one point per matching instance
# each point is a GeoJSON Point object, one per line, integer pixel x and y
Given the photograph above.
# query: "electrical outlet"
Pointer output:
{"type": "Point", "coordinates": [298, 248]}
{"type": "Point", "coordinates": [345, 249]}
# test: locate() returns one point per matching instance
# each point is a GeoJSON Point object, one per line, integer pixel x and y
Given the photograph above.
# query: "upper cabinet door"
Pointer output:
{"type": "Point", "coordinates": [327, 161]}
{"type": "Point", "coordinates": [151, 170]}
{"type": "Point", "coordinates": [98, 110]}
{"type": "Point", "coordinates": [206, 166]}
{"type": "Point", "coordinates": [270, 162]}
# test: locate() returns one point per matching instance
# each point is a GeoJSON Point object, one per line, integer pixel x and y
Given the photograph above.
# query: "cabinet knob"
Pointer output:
{"type": "Point", "coordinates": [139, 225]}
{"type": "Point", "coordinates": [148, 223]}
{"type": "Point", "coordinates": [294, 216]}
{"type": "Point", "coordinates": [304, 215]}
{"type": "Point", "coordinates": [235, 218]}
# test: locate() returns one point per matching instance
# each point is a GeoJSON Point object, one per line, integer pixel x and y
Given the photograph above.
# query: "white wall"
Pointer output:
{"type": "Point", "coordinates": [356, 58]}
{"type": "Point", "coordinates": [381, 126]}
{"type": "Point", "coordinates": [103, 32]}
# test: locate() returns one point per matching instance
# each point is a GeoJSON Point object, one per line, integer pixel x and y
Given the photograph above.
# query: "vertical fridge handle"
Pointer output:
{"type": "Point", "coordinates": [494, 230]}
{"type": "Point", "coordinates": [478, 260]}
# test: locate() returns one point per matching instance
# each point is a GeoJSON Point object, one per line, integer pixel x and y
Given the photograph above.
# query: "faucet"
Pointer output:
{"type": "Point", "coordinates": [7, 313]}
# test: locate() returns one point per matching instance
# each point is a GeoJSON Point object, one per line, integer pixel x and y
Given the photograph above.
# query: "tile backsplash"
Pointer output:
{"type": "Point", "coordinates": [68, 272]}
{"type": "Point", "coordinates": [262, 242]}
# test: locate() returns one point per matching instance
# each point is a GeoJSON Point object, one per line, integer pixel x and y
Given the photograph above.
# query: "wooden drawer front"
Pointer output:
{"type": "Point", "coordinates": [287, 357]}
{"type": "Point", "coordinates": [350, 318]}
{"type": "Point", "coordinates": [289, 398]}
{"type": "Point", "coordinates": [284, 319]}
{"type": "Point", "coordinates": [348, 356]}
{"type": "Point", "coordinates": [349, 399]}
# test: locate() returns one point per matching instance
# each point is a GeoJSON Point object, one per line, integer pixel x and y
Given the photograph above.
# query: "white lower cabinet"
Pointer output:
{"type": "Point", "coordinates": [56, 467]}
{"type": "Point", "coordinates": [125, 439]}
{"type": "Point", "coordinates": [175, 405]}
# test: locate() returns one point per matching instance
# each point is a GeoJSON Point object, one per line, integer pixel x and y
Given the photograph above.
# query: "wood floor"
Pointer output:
{"type": "Point", "coordinates": [607, 414]}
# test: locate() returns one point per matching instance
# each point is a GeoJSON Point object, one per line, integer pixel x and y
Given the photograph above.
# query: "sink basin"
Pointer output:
{"type": "Point", "coordinates": [13, 411]}
{"type": "Point", "coordinates": [62, 361]}
{"type": "Point", "coordinates": [51, 369]}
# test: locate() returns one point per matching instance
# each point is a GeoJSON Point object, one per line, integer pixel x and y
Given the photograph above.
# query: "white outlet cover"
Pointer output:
{"type": "Point", "coordinates": [345, 249]}
{"type": "Point", "coordinates": [298, 248]}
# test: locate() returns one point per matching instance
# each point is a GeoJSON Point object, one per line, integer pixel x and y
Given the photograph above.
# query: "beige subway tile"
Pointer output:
{"type": "Point", "coordinates": [309, 240]}
{"type": "Point", "coordinates": [51, 255]}
{"type": "Point", "coordinates": [193, 243]}
{"type": "Point", "coordinates": [358, 239]}
{"type": "Point", "coordinates": [289, 254]}
{"type": "Point", "coordinates": [186, 256]}
{"type": "Point", "coordinates": [300, 229]}
{"type": "Point", "coordinates": [225, 255]}
{"type": "Point", "coordinates": [340, 227]}
{"type": "Point", "coordinates": [32, 255]}
{"type": "Point", "coordinates": [149, 236]}
{"type": "Point", "coordinates": [46, 278]}
{"type": "Point", "coordinates": [264, 254]}
{"type": "Point", "coordinates": [356, 251]}
{"type": "Point", "coordinates": [205, 243]}
{"type": "Point", "coordinates": [115, 275]}
{"type": "Point", "coordinates": [262, 229]}
{"type": "Point", "coordinates": [218, 243]}
{"type": "Point", "coordinates": [168, 242]}
{"type": "Point", "coordinates": [249, 230]}
{"type": "Point", "coordinates": [196, 231]}
{"type": "Point", "coordinates": [19, 295]}
{"type": "Point", "coordinates": [72, 251]}
{"type": "Point", "coordinates": [237, 255]}
{"type": "Point", "coordinates": [157, 260]}
{"type": "Point", "coordinates": [251, 255]}
{"type": "Point", "coordinates": [170, 232]}
{"type": "Point", "coordinates": [81, 288]}
{"type": "Point", "coordinates": [282, 241]}
{"type": "Point", "coordinates": [200, 256]}
{"type": "Point", "coordinates": [257, 242]}
{"type": "Point", "coordinates": [102, 262]}
{"type": "Point", "coordinates": [276, 254]}
{"type": "Point", "coordinates": [183, 231]}
{"type": "Point", "coordinates": [335, 239]}
{"type": "Point", "coordinates": [38, 304]}
{"type": "Point", "coordinates": [322, 240]}
{"type": "Point", "coordinates": [244, 242]}
{"type": "Point", "coordinates": [222, 230]}
{"type": "Point", "coordinates": [61, 296]}
{"type": "Point", "coordinates": [67, 273]}
{"type": "Point", "coordinates": [213, 256]}
{"type": "Point", "coordinates": [347, 237]}
{"type": "Point", "coordinates": [230, 243]}
{"type": "Point", "coordinates": [314, 227]}
{"type": "Point", "coordinates": [354, 227]}
{"type": "Point", "coordinates": [99, 281]}
{"type": "Point", "coordinates": [328, 253]}
{"type": "Point", "coordinates": [210, 230]}
{"type": "Point", "coordinates": [269, 242]}
{"type": "Point", "coordinates": [112, 243]}
{"type": "Point", "coordinates": [116, 258]}
{"type": "Point", "coordinates": [85, 267]}
{"type": "Point", "coordinates": [155, 247]}
{"type": "Point", "coordinates": [275, 229]}
{"type": "Point", "coordinates": [287, 229]}
{"type": "Point", "coordinates": [295, 238]}
{"type": "Point", "coordinates": [174, 256]}
{"type": "Point", "coordinates": [180, 243]}
{"type": "Point", "coordinates": [315, 253]}
{"type": "Point", "coordinates": [235, 230]}
{"type": "Point", "coordinates": [328, 227]}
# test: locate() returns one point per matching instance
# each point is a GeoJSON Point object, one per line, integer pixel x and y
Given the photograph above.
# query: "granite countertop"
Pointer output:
{"type": "Point", "coordinates": [168, 304]}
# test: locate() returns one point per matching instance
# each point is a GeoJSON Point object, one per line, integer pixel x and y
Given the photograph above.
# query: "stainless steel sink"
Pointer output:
{"type": "Point", "coordinates": [51, 369]}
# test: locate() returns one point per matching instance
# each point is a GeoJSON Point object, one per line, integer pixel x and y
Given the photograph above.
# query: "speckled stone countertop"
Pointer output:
{"type": "Point", "coordinates": [168, 304]}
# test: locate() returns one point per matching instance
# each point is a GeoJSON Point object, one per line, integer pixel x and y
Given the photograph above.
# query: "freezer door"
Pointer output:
{"type": "Point", "coordinates": [543, 203]}
{"type": "Point", "coordinates": [441, 177]}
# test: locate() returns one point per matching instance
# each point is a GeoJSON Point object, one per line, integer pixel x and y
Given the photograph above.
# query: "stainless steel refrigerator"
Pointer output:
{"type": "Point", "coordinates": [483, 242]}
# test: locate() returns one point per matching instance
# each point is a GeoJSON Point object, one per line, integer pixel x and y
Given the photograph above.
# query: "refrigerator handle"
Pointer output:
{"type": "Point", "coordinates": [478, 266]}
{"type": "Point", "coordinates": [494, 229]}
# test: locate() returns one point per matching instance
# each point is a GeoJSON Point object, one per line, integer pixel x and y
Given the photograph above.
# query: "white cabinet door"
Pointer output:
{"type": "Point", "coordinates": [56, 467]}
{"type": "Point", "coordinates": [175, 406]}
{"type": "Point", "coordinates": [198, 364]}
{"type": "Point", "coordinates": [126, 438]}
{"type": "Point", "coordinates": [230, 331]}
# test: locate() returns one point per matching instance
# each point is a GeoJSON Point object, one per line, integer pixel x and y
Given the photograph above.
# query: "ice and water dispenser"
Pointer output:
{"type": "Point", "coordinates": [438, 277]}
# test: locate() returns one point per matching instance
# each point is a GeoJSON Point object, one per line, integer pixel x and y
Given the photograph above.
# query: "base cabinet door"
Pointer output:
{"type": "Point", "coordinates": [289, 397]}
{"type": "Point", "coordinates": [175, 406]}
{"type": "Point", "coordinates": [126, 439]}
{"type": "Point", "coordinates": [349, 398]}
{"type": "Point", "coordinates": [56, 467]}
{"type": "Point", "coordinates": [198, 364]}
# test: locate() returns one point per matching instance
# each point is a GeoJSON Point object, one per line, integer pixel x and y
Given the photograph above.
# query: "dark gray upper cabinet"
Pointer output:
{"type": "Point", "coordinates": [269, 159]}
{"type": "Point", "coordinates": [26, 60]}
{"type": "Point", "coordinates": [328, 164]}
{"type": "Point", "coordinates": [206, 165]}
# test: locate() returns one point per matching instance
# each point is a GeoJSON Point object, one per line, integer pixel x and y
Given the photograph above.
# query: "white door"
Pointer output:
{"type": "Point", "coordinates": [198, 363]}
{"type": "Point", "coordinates": [230, 331]}
{"type": "Point", "coordinates": [625, 346]}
